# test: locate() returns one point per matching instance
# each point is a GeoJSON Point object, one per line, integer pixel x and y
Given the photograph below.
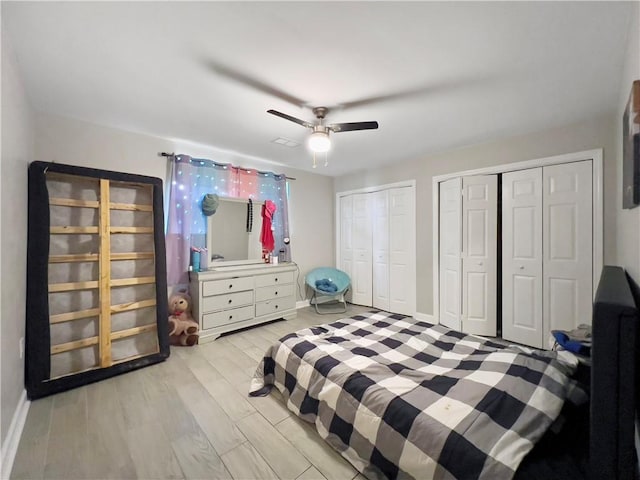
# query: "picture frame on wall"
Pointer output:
{"type": "Point", "coordinates": [631, 149]}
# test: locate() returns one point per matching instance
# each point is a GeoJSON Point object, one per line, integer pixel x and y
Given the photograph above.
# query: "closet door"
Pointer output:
{"type": "Point", "coordinates": [361, 276]}
{"type": "Point", "coordinates": [522, 257]}
{"type": "Point", "coordinates": [479, 254]}
{"type": "Point", "coordinates": [402, 248]}
{"type": "Point", "coordinates": [346, 235]}
{"type": "Point", "coordinates": [567, 245]}
{"type": "Point", "coordinates": [450, 253]}
{"type": "Point", "coordinates": [380, 242]}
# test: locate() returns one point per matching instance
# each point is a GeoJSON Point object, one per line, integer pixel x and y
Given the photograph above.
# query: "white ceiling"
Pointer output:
{"type": "Point", "coordinates": [436, 76]}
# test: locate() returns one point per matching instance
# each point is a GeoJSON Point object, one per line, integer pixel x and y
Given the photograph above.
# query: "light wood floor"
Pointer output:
{"type": "Point", "coordinates": [188, 417]}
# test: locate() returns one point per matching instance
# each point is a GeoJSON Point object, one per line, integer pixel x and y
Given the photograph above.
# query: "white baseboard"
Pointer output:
{"type": "Point", "coordinates": [10, 445]}
{"type": "Point", "coordinates": [424, 317]}
{"type": "Point", "coordinates": [302, 304]}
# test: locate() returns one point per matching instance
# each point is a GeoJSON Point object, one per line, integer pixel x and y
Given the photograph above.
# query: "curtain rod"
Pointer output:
{"type": "Point", "coordinates": [165, 154]}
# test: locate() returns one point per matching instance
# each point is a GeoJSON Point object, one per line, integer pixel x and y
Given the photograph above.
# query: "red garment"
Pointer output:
{"type": "Point", "coordinates": [266, 236]}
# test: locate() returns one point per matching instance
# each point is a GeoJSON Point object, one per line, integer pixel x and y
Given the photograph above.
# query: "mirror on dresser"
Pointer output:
{"type": "Point", "coordinates": [233, 232]}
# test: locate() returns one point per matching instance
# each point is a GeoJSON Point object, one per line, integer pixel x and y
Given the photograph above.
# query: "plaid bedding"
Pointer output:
{"type": "Point", "coordinates": [401, 398]}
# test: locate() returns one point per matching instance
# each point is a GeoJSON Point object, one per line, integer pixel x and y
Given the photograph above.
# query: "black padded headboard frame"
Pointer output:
{"type": "Point", "coordinates": [614, 379]}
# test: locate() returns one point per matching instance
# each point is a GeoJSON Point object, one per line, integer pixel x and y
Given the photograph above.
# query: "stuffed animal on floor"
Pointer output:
{"type": "Point", "coordinates": [183, 329]}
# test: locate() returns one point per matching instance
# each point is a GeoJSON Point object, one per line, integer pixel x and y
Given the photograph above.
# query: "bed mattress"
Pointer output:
{"type": "Point", "coordinates": [401, 398]}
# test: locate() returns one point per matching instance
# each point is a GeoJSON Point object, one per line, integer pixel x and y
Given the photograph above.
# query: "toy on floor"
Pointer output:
{"type": "Point", "coordinates": [183, 330]}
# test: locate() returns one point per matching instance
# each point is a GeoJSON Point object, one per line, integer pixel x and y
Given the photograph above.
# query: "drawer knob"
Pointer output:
{"type": "Point", "coordinates": [276, 279]}
{"type": "Point", "coordinates": [230, 317]}
{"type": "Point", "coordinates": [276, 306]}
{"type": "Point", "coordinates": [231, 285]}
{"type": "Point", "coordinates": [230, 300]}
{"type": "Point", "coordinates": [276, 293]}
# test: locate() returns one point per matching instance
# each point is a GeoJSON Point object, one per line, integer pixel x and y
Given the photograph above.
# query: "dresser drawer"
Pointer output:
{"type": "Point", "coordinates": [227, 300]}
{"type": "Point", "coordinates": [217, 319]}
{"type": "Point", "coordinates": [274, 292]}
{"type": "Point", "coordinates": [274, 279]}
{"type": "Point", "coordinates": [273, 306]}
{"type": "Point", "coordinates": [216, 287]}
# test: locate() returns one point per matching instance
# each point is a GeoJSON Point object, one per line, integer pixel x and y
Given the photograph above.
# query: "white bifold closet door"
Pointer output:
{"type": "Point", "coordinates": [450, 253]}
{"type": "Point", "coordinates": [567, 245]}
{"type": "Point", "coordinates": [402, 250]}
{"type": "Point", "coordinates": [378, 248]}
{"type": "Point", "coordinates": [346, 235]}
{"type": "Point", "coordinates": [362, 270]}
{"type": "Point", "coordinates": [468, 254]}
{"type": "Point", "coordinates": [547, 251]}
{"type": "Point", "coordinates": [380, 241]}
{"type": "Point", "coordinates": [522, 257]}
{"type": "Point", "coordinates": [480, 254]}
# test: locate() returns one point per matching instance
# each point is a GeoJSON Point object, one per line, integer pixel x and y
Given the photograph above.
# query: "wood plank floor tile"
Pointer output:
{"type": "Point", "coordinates": [68, 435]}
{"type": "Point", "coordinates": [151, 452]}
{"type": "Point", "coordinates": [218, 428]}
{"type": "Point", "coordinates": [228, 368]}
{"type": "Point", "coordinates": [271, 407]}
{"type": "Point", "coordinates": [281, 455]}
{"type": "Point", "coordinates": [256, 353]}
{"type": "Point", "coordinates": [244, 462]}
{"type": "Point", "coordinates": [239, 340]}
{"type": "Point", "coordinates": [312, 473]}
{"type": "Point", "coordinates": [173, 371]}
{"type": "Point", "coordinates": [329, 462]}
{"type": "Point", "coordinates": [235, 405]}
{"type": "Point", "coordinates": [189, 416]}
{"type": "Point", "coordinates": [197, 457]}
{"type": "Point", "coordinates": [106, 453]}
{"type": "Point", "coordinates": [134, 399]}
{"type": "Point", "coordinates": [32, 451]}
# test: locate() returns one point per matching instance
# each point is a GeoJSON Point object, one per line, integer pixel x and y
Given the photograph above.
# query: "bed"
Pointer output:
{"type": "Point", "coordinates": [401, 398]}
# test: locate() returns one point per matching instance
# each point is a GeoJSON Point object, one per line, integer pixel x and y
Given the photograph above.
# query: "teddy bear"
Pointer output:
{"type": "Point", "coordinates": [183, 329]}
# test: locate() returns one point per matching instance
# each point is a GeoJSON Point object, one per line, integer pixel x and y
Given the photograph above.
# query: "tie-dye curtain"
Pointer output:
{"type": "Point", "coordinates": [190, 180]}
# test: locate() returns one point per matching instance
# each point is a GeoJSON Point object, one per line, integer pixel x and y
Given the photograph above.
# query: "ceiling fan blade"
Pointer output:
{"type": "Point", "coordinates": [290, 118]}
{"type": "Point", "coordinates": [351, 126]}
{"type": "Point", "coordinates": [255, 83]}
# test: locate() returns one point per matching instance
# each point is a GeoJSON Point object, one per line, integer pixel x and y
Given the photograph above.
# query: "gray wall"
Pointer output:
{"type": "Point", "coordinates": [17, 152]}
{"type": "Point", "coordinates": [627, 225]}
{"type": "Point", "coordinates": [593, 133]}
{"type": "Point", "coordinates": [75, 142]}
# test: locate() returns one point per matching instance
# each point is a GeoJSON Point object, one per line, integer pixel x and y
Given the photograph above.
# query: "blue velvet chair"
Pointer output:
{"type": "Point", "coordinates": [336, 277]}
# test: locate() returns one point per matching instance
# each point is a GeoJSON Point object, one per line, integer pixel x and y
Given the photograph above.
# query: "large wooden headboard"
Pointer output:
{"type": "Point", "coordinates": [614, 381]}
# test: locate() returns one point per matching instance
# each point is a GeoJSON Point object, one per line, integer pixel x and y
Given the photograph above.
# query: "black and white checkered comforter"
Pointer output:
{"type": "Point", "coordinates": [401, 398]}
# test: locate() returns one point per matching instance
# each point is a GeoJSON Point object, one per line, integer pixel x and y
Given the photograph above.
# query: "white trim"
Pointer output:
{"type": "Point", "coordinates": [377, 188]}
{"type": "Point", "coordinates": [538, 162]}
{"type": "Point", "coordinates": [302, 304]}
{"type": "Point", "coordinates": [10, 445]}
{"type": "Point", "coordinates": [598, 216]}
{"type": "Point", "coordinates": [594, 155]}
{"type": "Point", "coordinates": [423, 317]}
{"type": "Point", "coordinates": [435, 238]}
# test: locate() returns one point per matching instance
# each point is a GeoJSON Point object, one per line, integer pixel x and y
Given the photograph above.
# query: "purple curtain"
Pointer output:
{"type": "Point", "coordinates": [190, 180]}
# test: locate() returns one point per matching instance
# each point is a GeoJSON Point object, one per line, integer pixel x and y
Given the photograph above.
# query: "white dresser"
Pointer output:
{"type": "Point", "coordinates": [233, 297]}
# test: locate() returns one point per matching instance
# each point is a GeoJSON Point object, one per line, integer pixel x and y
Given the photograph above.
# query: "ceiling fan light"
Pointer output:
{"type": "Point", "coordinates": [319, 142]}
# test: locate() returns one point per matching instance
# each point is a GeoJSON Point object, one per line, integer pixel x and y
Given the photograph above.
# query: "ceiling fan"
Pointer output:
{"type": "Point", "coordinates": [319, 141]}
